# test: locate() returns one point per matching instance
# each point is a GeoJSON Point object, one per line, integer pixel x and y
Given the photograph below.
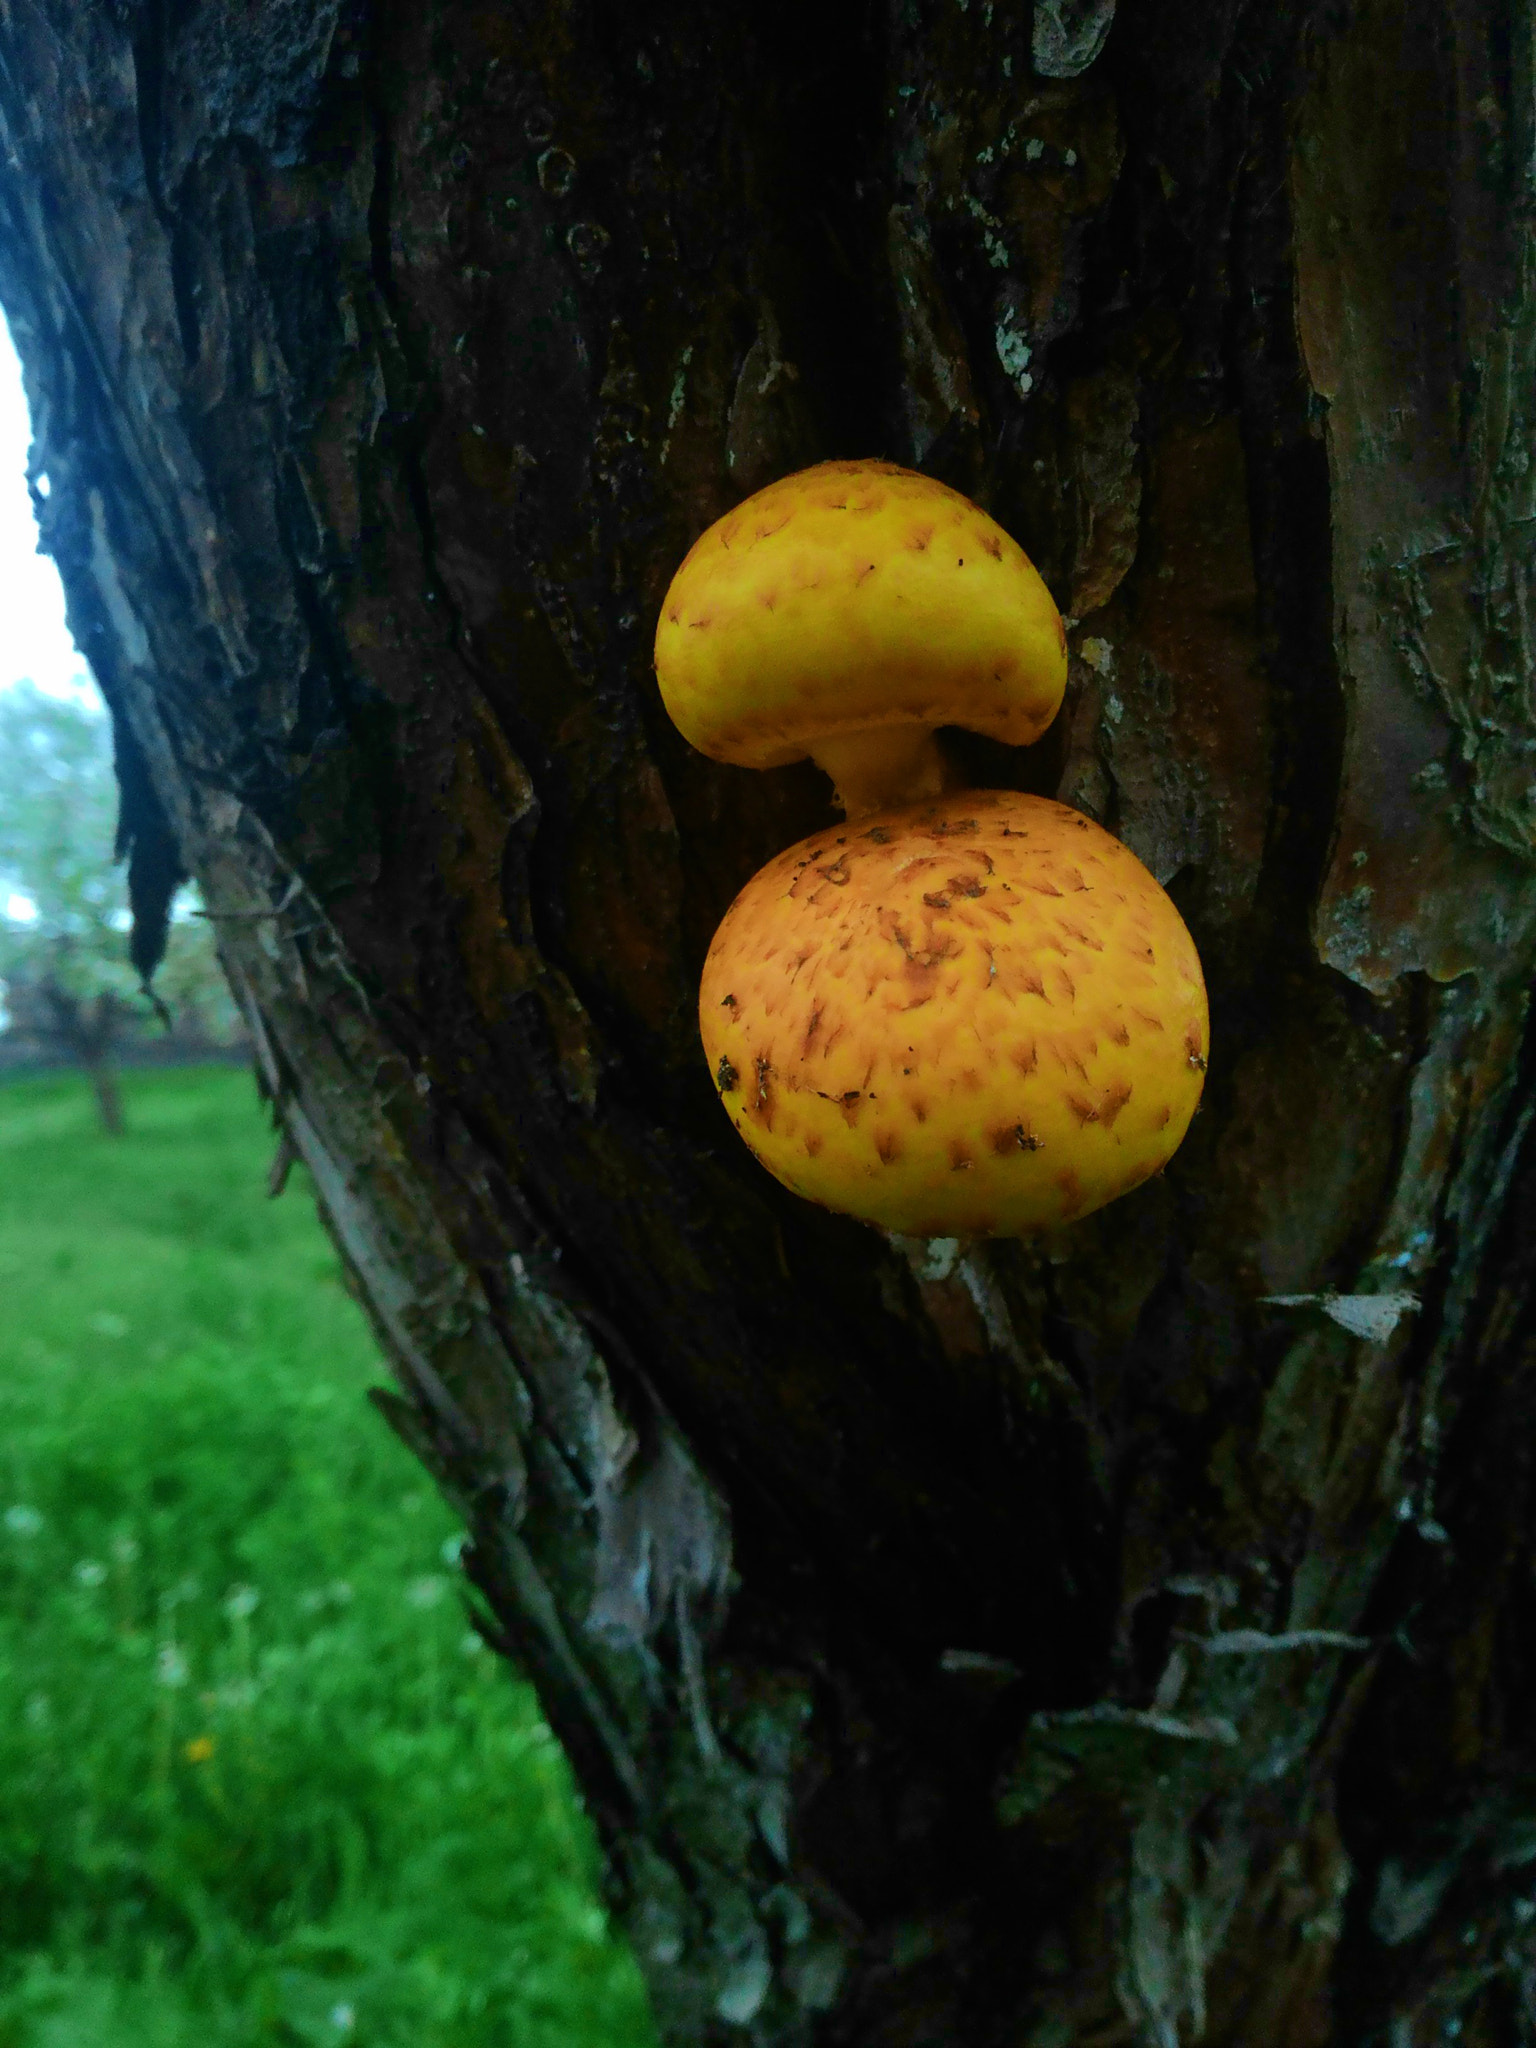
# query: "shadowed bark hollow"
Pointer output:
{"type": "Point", "coordinates": [1016, 1644]}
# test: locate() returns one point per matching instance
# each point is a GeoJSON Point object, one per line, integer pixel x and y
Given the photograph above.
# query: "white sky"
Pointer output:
{"type": "Point", "coordinates": [34, 640]}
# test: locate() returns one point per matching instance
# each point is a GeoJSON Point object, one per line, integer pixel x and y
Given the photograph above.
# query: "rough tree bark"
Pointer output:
{"type": "Point", "coordinates": [1027, 1644]}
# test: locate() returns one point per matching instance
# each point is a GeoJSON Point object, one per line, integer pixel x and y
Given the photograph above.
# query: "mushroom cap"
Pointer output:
{"type": "Point", "coordinates": [852, 595]}
{"type": "Point", "coordinates": [978, 1017]}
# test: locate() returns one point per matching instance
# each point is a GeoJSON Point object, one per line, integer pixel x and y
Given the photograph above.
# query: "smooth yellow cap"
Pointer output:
{"type": "Point", "coordinates": [979, 1017]}
{"type": "Point", "coordinates": [851, 596]}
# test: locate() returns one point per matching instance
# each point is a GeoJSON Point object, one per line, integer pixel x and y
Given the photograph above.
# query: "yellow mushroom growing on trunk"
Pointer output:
{"type": "Point", "coordinates": [979, 1017]}
{"type": "Point", "coordinates": [969, 1014]}
{"type": "Point", "coordinates": [845, 613]}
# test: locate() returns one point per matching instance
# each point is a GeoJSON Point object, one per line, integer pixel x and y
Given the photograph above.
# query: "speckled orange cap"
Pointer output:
{"type": "Point", "coordinates": [848, 600]}
{"type": "Point", "coordinates": [980, 1017]}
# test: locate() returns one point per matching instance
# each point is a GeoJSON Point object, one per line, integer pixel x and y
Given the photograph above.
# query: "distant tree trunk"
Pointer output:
{"type": "Point", "coordinates": [109, 1100]}
{"type": "Point", "coordinates": [88, 1030]}
{"type": "Point", "coordinates": [1127, 1639]}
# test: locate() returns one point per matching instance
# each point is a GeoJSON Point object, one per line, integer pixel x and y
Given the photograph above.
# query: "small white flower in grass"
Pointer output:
{"type": "Point", "coordinates": [170, 1665]}
{"type": "Point", "coordinates": [472, 1645]}
{"type": "Point", "coordinates": [427, 1590]}
{"type": "Point", "coordinates": [453, 1550]}
{"type": "Point", "coordinates": [90, 1571]}
{"type": "Point", "coordinates": [125, 1549]}
{"type": "Point", "coordinates": [343, 2018]}
{"type": "Point", "coordinates": [241, 1602]}
{"type": "Point", "coordinates": [337, 1594]}
{"type": "Point", "coordinates": [23, 1521]}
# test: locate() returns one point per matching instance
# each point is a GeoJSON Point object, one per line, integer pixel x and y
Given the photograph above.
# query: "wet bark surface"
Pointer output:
{"type": "Point", "coordinates": [1038, 1644]}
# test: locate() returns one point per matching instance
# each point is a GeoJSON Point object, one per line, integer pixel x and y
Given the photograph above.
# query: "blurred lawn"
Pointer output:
{"type": "Point", "coordinates": [259, 1783]}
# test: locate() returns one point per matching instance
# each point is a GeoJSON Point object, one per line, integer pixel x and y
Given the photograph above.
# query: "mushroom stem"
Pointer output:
{"type": "Point", "coordinates": [881, 767]}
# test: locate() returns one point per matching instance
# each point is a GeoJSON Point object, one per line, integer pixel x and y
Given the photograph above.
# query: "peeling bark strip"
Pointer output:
{"type": "Point", "coordinates": [1055, 1644]}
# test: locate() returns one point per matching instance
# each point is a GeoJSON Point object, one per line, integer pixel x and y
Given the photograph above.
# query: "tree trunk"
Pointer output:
{"type": "Point", "coordinates": [97, 1056]}
{"type": "Point", "coordinates": [88, 1031]}
{"type": "Point", "coordinates": [109, 1099]}
{"type": "Point", "coordinates": [1027, 1644]}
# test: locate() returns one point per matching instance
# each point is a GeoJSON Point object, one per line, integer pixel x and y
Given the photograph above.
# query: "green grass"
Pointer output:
{"type": "Point", "coordinates": [259, 1782]}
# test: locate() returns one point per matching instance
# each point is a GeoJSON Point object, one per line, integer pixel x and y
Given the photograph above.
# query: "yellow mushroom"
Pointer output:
{"type": "Point", "coordinates": [847, 611]}
{"type": "Point", "coordinates": [978, 1017]}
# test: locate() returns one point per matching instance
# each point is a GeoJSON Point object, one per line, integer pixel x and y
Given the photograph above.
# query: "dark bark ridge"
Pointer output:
{"type": "Point", "coordinates": [1041, 1644]}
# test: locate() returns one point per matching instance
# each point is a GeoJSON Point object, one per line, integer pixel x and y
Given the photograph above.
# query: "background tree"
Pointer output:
{"type": "Point", "coordinates": [1049, 1644]}
{"type": "Point", "coordinates": [70, 987]}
